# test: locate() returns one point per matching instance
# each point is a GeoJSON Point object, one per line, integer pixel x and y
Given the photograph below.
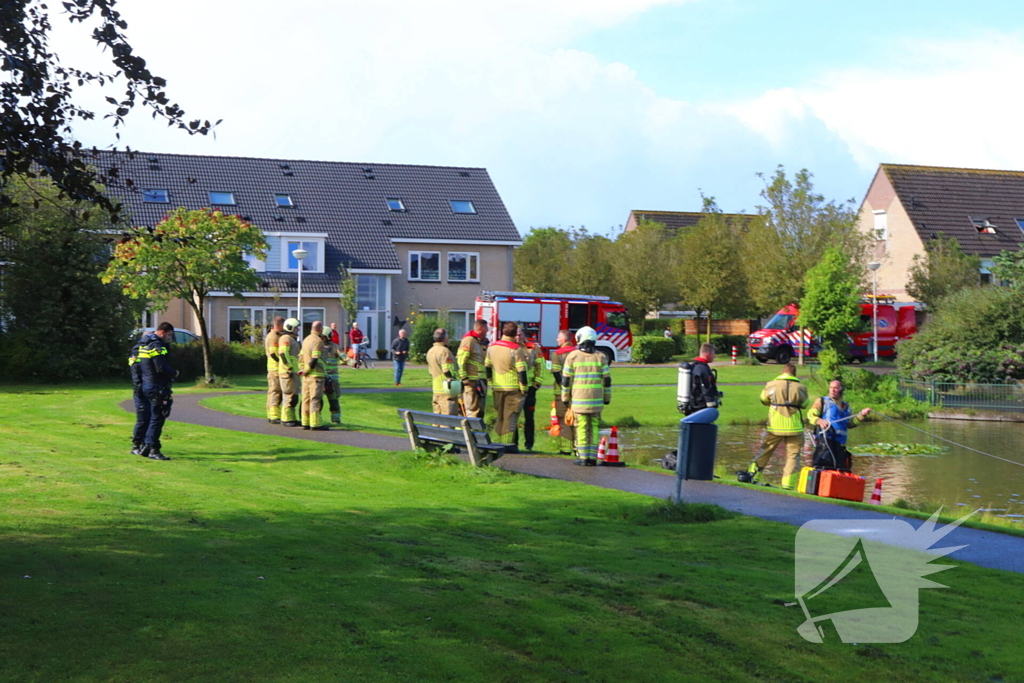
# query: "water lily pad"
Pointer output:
{"type": "Point", "coordinates": [897, 448]}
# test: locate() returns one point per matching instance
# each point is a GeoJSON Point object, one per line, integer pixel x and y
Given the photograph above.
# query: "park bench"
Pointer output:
{"type": "Point", "coordinates": [431, 429]}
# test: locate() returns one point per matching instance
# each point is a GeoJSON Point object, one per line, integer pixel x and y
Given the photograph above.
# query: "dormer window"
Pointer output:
{"type": "Point", "coordinates": [157, 196]}
{"type": "Point", "coordinates": [983, 225]}
{"type": "Point", "coordinates": [462, 206]}
{"type": "Point", "coordinates": [222, 198]}
{"type": "Point", "coordinates": [395, 204]}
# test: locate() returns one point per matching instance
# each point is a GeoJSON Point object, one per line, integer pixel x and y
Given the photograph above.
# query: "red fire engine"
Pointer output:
{"type": "Point", "coordinates": [779, 339]}
{"type": "Point", "coordinates": [543, 315]}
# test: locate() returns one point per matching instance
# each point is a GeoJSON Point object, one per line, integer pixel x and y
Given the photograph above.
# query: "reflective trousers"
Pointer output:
{"type": "Point", "coordinates": [274, 396]}
{"type": "Point", "coordinates": [289, 397]}
{"type": "Point", "coordinates": [312, 401]}
{"type": "Point", "coordinates": [474, 400]}
{"type": "Point", "coordinates": [507, 404]}
{"type": "Point", "coordinates": [793, 443]}
{"type": "Point", "coordinates": [586, 434]}
{"type": "Point", "coordinates": [443, 404]}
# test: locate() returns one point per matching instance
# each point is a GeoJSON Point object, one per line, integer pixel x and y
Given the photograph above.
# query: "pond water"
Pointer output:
{"type": "Point", "coordinates": [954, 478]}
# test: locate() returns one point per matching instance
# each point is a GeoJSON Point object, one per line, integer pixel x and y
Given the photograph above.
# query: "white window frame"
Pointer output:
{"type": "Point", "coordinates": [881, 226]}
{"type": "Point", "coordinates": [146, 194]}
{"type": "Point", "coordinates": [418, 278]}
{"type": "Point", "coordinates": [287, 249]}
{"type": "Point", "coordinates": [470, 257]}
{"type": "Point", "coordinates": [210, 194]}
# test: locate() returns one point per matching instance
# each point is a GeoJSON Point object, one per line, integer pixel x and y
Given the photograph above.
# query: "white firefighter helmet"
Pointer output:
{"type": "Point", "coordinates": [454, 387]}
{"type": "Point", "coordinates": [290, 324]}
{"type": "Point", "coordinates": [586, 334]}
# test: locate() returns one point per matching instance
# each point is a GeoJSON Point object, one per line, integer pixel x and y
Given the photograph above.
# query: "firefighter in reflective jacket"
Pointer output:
{"type": "Point", "coordinates": [786, 399]}
{"type": "Point", "coordinates": [506, 371]}
{"type": "Point", "coordinates": [288, 370]}
{"type": "Point", "coordinates": [441, 365]}
{"type": "Point", "coordinates": [535, 377]}
{"type": "Point", "coordinates": [566, 433]}
{"type": "Point", "coordinates": [470, 362]}
{"type": "Point", "coordinates": [332, 385]}
{"type": "Point", "coordinates": [270, 343]}
{"type": "Point", "coordinates": [157, 374]}
{"type": "Point", "coordinates": [586, 389]}
{"type": "Point", "coordinates": [314, 374]}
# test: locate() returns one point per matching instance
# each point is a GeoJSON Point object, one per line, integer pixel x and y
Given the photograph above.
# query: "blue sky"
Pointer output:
{"type": "Point", "coordinates": [585, 109]}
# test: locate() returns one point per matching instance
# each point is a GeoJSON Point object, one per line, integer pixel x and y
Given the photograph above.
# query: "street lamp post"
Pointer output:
{"type": "Point", "coordinates": [874, 266]}
{"type": "Point", "coordinates": [299, 255]}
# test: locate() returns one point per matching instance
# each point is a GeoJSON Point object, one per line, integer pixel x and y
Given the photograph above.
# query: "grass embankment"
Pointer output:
{"type": "Point", "coordinates": [251, 557]}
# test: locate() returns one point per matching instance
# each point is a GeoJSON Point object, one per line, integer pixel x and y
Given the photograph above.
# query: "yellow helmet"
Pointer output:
{"type": "Point", "coordinates": [290, 324]}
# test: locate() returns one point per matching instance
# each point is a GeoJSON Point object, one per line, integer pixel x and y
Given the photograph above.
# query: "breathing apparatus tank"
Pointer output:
{"type": "Point", "coordinates": [683, 392]}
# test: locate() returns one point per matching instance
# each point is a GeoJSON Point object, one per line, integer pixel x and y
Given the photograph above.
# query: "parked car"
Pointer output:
{"type": "Point", "coordinates": [180, 336]}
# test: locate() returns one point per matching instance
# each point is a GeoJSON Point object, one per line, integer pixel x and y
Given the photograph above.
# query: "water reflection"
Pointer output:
{"type": "Point", "coordinates": [955, 478]}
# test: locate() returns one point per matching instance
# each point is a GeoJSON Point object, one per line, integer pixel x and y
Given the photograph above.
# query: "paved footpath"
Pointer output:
{"type": "Point", "coordinates": [985, 548]}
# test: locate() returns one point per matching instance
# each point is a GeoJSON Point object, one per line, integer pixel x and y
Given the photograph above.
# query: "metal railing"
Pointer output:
{"type": "Point", "coordinates": [1007, 396]}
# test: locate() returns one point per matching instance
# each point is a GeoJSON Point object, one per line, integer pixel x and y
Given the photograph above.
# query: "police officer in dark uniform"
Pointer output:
{"type": "Point", "coordinates": [157, 375]}
{"type": "Point", "coordinates": [141, 402]}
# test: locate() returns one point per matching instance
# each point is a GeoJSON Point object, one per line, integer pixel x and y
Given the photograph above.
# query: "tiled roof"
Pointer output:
{"type": "Point", "coordinates": [944, 200]}
{"type": "Point", "coordinates": [674, 220]}
{"type": "Point", "coordinates": [312, 283]}
{"type": "Point", "coordinates": [344, 200]}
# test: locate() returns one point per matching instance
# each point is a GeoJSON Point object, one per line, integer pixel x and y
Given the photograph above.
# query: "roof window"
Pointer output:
{"type": "Point", "coordinates": [283, 200]}
{"type": "Point", "coordinates": [462, 206]}
{"type": "Point", "coordinates": [1020, 223]}
{"type": "Point", "coordinates": [158, 196]}
{"type": "Point", "coordinates": [395, 204]}
{"type": "Point", "coordinates": [983, 225]}
{"type": "Point", "coordinates": [222, 198]}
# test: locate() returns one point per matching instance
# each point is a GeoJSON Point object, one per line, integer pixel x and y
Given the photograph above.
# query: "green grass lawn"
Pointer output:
{"type": "Point", "coordinates": [252, 557]}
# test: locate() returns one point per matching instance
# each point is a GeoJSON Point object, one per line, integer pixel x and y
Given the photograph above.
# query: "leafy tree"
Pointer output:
{"type": "Point", "coordinates": [591, 268]}
{"type": "Point", "coordinates": [348, 293]}
{"type": "Point", "coordinates": [798, 225]}
{"type": "Point", "coordinates": [942, 270]}
{"type": "Point", "coordinates": [830, 305]}
{"type": "Point", "coordinates": [59, 321]}
{"type": "Point", "coordinates": [188, 255]}
{"type": "Point", "coordinates": [1009, 268]}
{"type": "Point", "coordinates": [645, 270]}
{"type": "Point", "coordinates": [710, 277]}
{"type": "Point", "coordinates": [38, 88]}
{"type": "Point", "coordinates": [540, 263]}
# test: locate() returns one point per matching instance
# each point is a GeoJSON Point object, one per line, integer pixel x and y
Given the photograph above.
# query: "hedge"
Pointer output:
{"type": "Point", "coordinates": [653, 349]}
{"type": "Point", "coordinates": [228, 359]}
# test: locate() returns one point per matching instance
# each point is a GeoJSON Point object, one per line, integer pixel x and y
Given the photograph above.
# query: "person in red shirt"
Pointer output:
{"type": "Point", "coordinates": [335, 337]}
{"type": "Point", "coordinates": [355, 335]}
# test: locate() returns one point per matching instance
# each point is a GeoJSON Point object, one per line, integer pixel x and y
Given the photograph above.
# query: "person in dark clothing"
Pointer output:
{"type": "Point", "coordinates": [141, 402]}
{"type": "Point", "coordinates": [400, 354]}
{"type": "Point", "coordinates": [157, 375]}
{"type": "Point", "coordinates": [704, 383]}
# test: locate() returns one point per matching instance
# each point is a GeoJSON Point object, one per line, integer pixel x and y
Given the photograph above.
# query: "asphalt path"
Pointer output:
{"type": "Point", "coordinates": [984, 548]}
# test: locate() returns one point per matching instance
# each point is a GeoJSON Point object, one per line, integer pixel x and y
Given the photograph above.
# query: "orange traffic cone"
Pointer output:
{"type": "Point", "coordinates": [876, 495]}
{"type": "Point", "coordinates": [611, 459]}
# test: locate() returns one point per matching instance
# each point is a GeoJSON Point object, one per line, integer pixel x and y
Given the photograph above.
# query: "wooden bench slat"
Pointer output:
{"type": "Point", "coordinates": [453, 421]}
{"type": "Point", "coordinates": [470, 433]}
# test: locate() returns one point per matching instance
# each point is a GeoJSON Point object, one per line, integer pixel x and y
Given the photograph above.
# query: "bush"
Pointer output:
{"type": "Point", "coordinates": [976, 335]}
{"type": "Point", "coordinates": [227, 359]}
{"type": "Point", "coordinates": [653, 349]}
{"type": "Point", "coordinates": [422, 337]}
{"type": "Point", "coordinates": [689, 345]}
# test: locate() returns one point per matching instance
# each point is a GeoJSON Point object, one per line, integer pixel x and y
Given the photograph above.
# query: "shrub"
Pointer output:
{"type": "Point", "coordinates": [653, 349]}
{"type": "Point", "coordinates": [228, 359]}
{"type": "Point", "coordinates": [422, 337]}
{"type": "Point", "coordinates": [689, 345]}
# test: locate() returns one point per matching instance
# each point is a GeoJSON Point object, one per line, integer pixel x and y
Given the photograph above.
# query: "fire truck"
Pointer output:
{"type": "Point", "coordinates": [779, 340]}
{"type": "Point", "coordinates": [543, 315]}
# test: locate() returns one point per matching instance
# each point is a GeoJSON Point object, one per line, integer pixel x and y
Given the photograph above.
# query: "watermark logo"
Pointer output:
{"type": "Point", "coordinates": [860, 578]}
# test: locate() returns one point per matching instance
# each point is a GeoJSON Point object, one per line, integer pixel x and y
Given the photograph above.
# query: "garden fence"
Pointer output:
{"type": "Point", "coordinates": [1007, 397]}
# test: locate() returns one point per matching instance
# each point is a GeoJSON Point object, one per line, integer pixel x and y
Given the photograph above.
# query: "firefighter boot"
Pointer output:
{"type": "Point", "coordinates": [752, 475]}
{"type": "Point", "coordinates": [788, 481]}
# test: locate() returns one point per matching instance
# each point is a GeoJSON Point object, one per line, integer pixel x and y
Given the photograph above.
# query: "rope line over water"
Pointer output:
{"type": "Point", "coordinates": [935, 436]}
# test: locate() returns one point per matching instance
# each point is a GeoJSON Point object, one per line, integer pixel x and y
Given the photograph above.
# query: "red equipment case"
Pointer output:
{"type": "Point", "coordinates": [841, 485]}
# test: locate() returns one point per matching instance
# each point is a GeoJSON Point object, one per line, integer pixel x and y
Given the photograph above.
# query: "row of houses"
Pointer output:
{"type": "Point", "coordinates": [430, 238]}
{"type": "Point", "coordinates": [415, 238]}
{"type": "Point", "coordinates": [906, 207]}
